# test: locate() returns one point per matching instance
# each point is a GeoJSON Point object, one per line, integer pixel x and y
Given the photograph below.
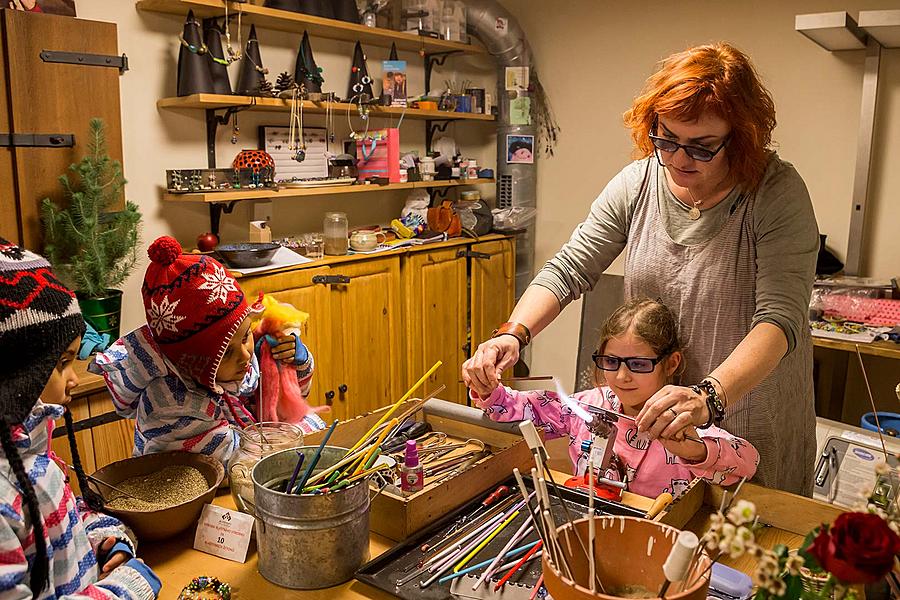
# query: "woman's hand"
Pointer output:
{"type": "Point", "coordinates": [670, 411]}
{"type": "Point", "coordinates": [117, 559]}
{"type": "Point", "coordinates": [689, 450]}
{"type": "Point", "coordinates": [482, 372]}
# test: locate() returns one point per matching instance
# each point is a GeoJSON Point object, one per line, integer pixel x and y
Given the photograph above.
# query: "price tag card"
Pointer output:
{"type": "Point", "coordinates": [225, 533]}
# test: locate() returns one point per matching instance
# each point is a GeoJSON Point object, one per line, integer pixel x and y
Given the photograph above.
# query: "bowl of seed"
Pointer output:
{"type": "Point", "coordinates": [159, 495]}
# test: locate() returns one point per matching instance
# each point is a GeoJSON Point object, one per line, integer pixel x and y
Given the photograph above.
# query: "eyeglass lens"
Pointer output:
{"type": "Point", "coordinates": [634, 364]}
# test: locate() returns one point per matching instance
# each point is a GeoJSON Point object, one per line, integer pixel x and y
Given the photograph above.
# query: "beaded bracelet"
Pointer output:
{"type": "Point", "coordinates": [192, 590]}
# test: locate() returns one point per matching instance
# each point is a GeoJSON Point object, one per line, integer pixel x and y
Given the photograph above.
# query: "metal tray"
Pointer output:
{"type": "Point", "coordinates": [384, 571]}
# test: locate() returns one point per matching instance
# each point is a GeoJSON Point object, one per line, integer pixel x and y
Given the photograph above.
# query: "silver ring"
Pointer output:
{"type": "Point", "coordinates": [673, 412]}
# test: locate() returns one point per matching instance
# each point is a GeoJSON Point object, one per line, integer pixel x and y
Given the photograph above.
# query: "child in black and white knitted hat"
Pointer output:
{"type": "Point", "coordinates": [40, 331]}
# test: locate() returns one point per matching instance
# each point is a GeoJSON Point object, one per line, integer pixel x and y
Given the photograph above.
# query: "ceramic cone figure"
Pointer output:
{"type": "Point", "coordinates": [306, 72]}
{"type": "Point", "coordinates": [251, 77]}
{"type": "Point", "coordinates": [319, 8]}
{"type": "Point", "coordinates": [393, 55]}
{"type": "Point", "coordinates": [291, 5]}
{"type": "Point", "coordinates": [360, 81]}
{"type": "Point", "coordinates": [345, 10]}
{"type": "Point", "coordinates": [217, 68]}
{"type": "Point", "coordinates": [194, 76]}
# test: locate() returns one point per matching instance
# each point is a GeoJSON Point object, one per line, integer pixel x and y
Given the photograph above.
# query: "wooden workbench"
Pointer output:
{"type": "Point", "coordinates": [176, 563]}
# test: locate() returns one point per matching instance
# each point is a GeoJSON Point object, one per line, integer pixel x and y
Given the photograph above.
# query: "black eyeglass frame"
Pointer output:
{"type": "Point", "coordinates": [597, 356]}
{"type": "Point", "coordinates": [693, 152]}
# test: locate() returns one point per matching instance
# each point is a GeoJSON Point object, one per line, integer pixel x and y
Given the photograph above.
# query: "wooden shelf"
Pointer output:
{"type": "Point", "coordinates": [883, 349]}
{"type": "Point", "coordinates": [236, 196]}
{"type": "Point", "coordinates": [283, 20]}
{"type": "Point", "coordinates": [221, 101]}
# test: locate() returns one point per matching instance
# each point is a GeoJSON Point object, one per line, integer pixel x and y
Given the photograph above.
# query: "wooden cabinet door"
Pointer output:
{"type": "Point", "coordinates": [366, 327]}
{"type": "Point", "coordinates": [50, 97]}
{"type": "Point", "coordinates": [297, 288]}
{"type": "Point", "coordinates": [493, 275]}
{"type": "Point", "coordinates": [435, 316]}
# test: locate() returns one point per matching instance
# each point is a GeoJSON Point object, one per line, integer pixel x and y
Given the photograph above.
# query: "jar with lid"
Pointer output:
{"type": "Point", "coordinates": [336, 230]}
{"type": "Point", "coordinates": [254, 444]}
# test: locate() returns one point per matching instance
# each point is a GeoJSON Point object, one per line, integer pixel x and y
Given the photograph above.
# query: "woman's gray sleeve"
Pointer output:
{"type": "Point", "coordinates": [787, 244]}
{"type": "Point", "coordinates": [594, 244]}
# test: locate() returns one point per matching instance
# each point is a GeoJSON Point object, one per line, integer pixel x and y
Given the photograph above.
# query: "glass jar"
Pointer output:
{"type": "Point", "coordinates": [254, 444]}
{"type": "Point", "coordinates": [336, 230]}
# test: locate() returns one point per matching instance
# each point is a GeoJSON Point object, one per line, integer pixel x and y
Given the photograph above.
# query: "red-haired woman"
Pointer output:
{"type": "Point", "coordinates": [722, 230]}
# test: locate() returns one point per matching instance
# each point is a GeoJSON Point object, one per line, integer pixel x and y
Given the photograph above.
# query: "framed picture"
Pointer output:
{"type": "Point", "coordinates": [56, 7]}
{"type": "Point", "coordinates": [393, 81]}
{"type": "Point", "coordinates": [520, 149]}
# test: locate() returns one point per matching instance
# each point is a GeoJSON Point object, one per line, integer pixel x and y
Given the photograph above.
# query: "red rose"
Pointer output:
{"type": "Point", "coordinates": [858, 548]}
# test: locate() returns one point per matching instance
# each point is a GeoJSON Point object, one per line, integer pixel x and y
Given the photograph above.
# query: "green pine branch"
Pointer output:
{"type": "Point", "coordinates": [92, 247]}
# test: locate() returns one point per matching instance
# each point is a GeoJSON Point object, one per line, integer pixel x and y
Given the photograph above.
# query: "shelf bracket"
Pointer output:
{"type": "Point", "coordinates": [432, 60]}
{"type": "Point", "coordinates": [213, 121]}
{"type": "Point", "coordinates": [215, 214]}
{"type": "Point", "coordinates": [432, 127]}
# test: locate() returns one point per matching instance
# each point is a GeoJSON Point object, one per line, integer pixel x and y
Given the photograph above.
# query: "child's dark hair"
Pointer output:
{"type": "Point", "coordinates": [40, 567]}
{"type": "Point", "coordinates": [650, 320]}
{"type": "Point", "coordinates": [91, 498]}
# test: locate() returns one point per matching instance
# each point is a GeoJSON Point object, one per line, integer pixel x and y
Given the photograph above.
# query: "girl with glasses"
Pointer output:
{"type": "Point", "coordinates": [638, 354]}
{"type": "Point", "coordinates": [714, 223]}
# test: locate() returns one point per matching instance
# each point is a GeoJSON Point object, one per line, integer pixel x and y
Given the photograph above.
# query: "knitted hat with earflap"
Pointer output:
{"type": "Point", "coordinates": [194, 308]}
{"type": "Point", "coordinates": [39, 318]}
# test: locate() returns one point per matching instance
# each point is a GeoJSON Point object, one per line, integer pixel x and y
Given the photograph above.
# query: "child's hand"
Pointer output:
{"type": "Point", "coordinates": [112, 561]}
{"type": "Point", "coordinates": [681, 447]}
{"type": "Point", "coordinates": [289, 348]}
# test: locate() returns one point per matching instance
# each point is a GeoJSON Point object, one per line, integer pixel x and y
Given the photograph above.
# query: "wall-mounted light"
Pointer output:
{"type": "Point", "coordinates": [832, 30]}
{"type": "Point", "coordinates": [883, 25]}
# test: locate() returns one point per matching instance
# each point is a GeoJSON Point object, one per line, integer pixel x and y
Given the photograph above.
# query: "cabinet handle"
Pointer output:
{"type": "Point", "coordinates": [332, 279]}
{"type": "Point", "coordinates": [329, 396]}
{"type": "Point", "coordinates": [472, 254]}
{"type": "Point", "coordinates": [343, 390]}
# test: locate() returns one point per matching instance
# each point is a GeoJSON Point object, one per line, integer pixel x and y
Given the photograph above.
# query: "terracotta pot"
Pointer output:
{"type": "Point", "coordinates": [628, 551]}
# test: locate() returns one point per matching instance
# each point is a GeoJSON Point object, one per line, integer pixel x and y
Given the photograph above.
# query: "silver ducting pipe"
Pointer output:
{"type": "Point", "coordinates": [504, 39]}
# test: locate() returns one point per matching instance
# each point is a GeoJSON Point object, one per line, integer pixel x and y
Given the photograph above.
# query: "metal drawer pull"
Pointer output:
{"type": "Point", "coordinates": [332, 279]}
{"type": "Point", "coordinates": [472, 254]}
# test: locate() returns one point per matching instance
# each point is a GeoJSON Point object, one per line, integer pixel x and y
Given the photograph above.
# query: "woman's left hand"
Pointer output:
{"type": "Point", "coordinates": [670, 411]}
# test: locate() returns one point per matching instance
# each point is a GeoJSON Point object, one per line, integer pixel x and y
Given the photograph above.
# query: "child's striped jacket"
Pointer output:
{"type": "Point", "coordinates": [175, 413]}
{"type": "Point", "coordinates": [72, 532]}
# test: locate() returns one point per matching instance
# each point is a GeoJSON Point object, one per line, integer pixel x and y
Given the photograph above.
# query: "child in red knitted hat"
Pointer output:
{"type": "Point", "coordinates": [185, 375]}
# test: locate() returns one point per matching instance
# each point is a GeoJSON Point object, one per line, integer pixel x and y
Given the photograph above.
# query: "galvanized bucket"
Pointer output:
{"type": "Point", "coordinates": [312, 541]}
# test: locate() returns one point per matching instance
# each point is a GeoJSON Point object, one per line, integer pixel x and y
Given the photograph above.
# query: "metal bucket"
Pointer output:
{"type": "Point", "coordinates": [312, 541]}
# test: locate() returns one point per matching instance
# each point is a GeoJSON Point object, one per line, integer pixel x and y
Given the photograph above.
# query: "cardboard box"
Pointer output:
{"type": "Point", "coordinates": [397, 517]}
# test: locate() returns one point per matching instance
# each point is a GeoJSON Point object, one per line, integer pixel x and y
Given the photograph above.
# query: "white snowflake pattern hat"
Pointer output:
{"type": "Point", "coordinates": [194, 308]}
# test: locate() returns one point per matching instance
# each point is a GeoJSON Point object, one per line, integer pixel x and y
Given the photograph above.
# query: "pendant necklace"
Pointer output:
{"type": "Point", "coordinates": [694, 212]}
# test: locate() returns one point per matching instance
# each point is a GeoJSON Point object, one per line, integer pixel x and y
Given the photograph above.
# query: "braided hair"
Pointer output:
{"type": "Point", "coordinates": [40, 568]}
{"type": "Point", "coordinates": [91, 498]}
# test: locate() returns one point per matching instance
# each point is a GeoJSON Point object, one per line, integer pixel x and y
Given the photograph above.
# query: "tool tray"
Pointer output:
{"type": "Point", "coordinates": [384, 571]}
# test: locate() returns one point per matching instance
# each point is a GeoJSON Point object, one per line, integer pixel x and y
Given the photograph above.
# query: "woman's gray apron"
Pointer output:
{"type": "Point", "coordinates": [712, 288]}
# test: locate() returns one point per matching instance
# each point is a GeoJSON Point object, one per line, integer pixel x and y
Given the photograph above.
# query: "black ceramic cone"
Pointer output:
{"type": "Point", "coordinates": [359, 72]}
{"type": "Point", "coordinates": [393, 55]}
{"type": "Point", "coordinates": [291, 5]}
{"type": "Point", "coordinates": [194, 76]}
{"type": "Point", "coordinates": [218, 70]}
{"type": "Point", "coordinates": [319, 8]}
{"type": "Point", "coordinates": [250, 77]}
{"type": "Point", "coordinates": [345, 10]}
{"type": "Point", "coordinates": [306, 72]}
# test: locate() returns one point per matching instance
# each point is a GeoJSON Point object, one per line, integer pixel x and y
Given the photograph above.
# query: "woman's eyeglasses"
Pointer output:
{"type": "Point", "coordinates": [695, 152]}
{"type": "Point", "coordinates": [635, 364]}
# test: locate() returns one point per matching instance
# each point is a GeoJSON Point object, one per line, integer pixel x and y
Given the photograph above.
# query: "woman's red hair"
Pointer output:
{"type": "Point", "coordinates": [715, 78]}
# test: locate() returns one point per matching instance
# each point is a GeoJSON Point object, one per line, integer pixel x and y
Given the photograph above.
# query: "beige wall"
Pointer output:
{"type": "Point", "coordinates": [593, 58]}
{"type": "Point", "coordinates": [156, 140]}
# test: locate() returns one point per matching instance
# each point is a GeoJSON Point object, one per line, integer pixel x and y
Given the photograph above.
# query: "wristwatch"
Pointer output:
{"type": "Point", "coordinates": [517, 330]}
{"type": "Point", "coordinates": [713, 402]}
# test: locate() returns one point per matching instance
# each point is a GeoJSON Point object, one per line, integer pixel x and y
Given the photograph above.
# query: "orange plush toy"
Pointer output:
{"type": "Point", "coordinates": [281, 396]}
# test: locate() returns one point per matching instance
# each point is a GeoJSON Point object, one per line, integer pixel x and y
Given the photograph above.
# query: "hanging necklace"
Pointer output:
{"type": "Point", "coordinates": [694, 213]}
{"type": "Point", "coordinates": [296, 144]}
{"type": "Point", "coordinates": [233, 54]}
{"type": "Point", "coordinates": [262, 70]}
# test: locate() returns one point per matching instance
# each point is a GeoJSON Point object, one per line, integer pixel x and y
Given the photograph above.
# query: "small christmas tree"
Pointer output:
{"type": "Point", "coordinates": [92, 247]}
